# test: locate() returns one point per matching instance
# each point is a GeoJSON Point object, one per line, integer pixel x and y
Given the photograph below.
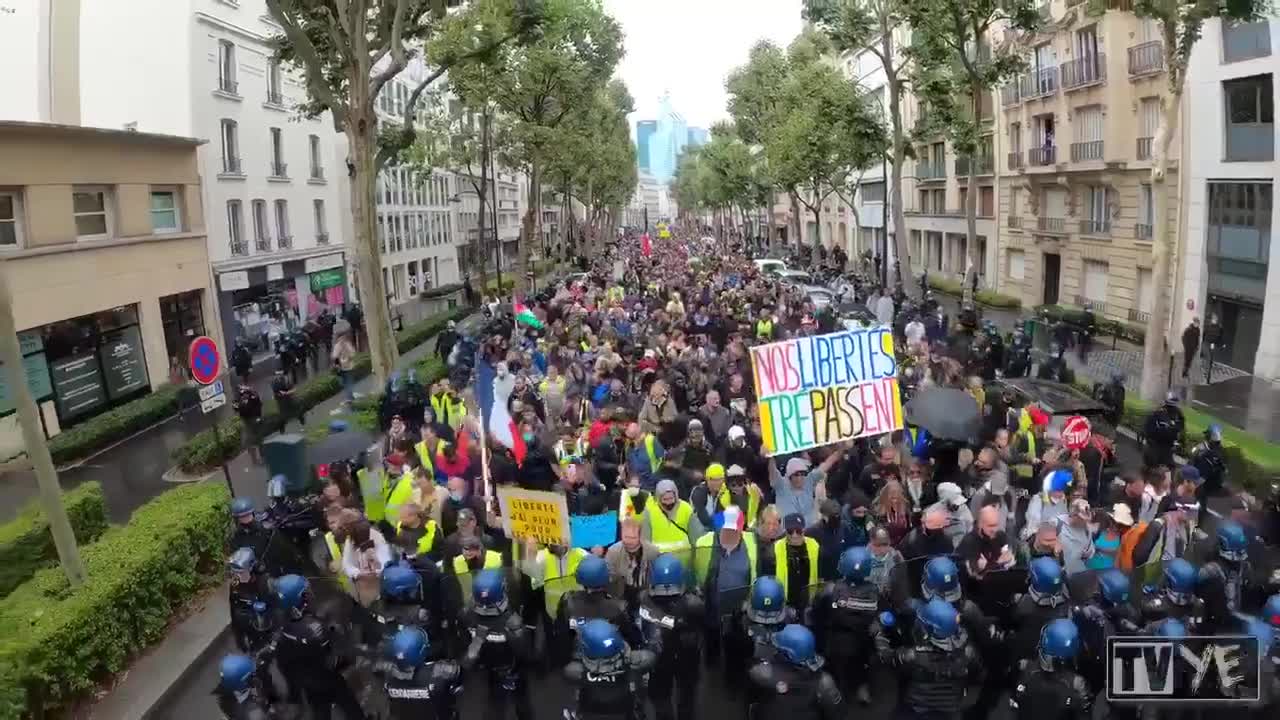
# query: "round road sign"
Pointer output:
{"type": "Point", "coordinates": [1076, 432]}
{"type": "Point", "coordinates": [204, 360]}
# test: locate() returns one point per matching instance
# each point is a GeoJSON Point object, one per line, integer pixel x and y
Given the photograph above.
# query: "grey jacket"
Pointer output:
{"type": "Point", "coordinates": [619, 561]}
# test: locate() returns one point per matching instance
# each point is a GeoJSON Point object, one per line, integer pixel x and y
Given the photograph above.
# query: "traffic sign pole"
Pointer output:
{"type": "Point", "coordinates": [206, 366]}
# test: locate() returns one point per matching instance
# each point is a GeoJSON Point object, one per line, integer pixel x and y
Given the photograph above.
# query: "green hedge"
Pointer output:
{"type": "Point", "coordinates": [990, 298]}
{"type": "Point", "coordinates": [56, 644]}
{"type": "Point", "coordinates": [1135, 334]}
{"type": "Point", "coordinates": [100, 431]}
{"type": "Point", "coordinates": [26, 545]}
{"type": "Point", "coordinates": [208, 449]}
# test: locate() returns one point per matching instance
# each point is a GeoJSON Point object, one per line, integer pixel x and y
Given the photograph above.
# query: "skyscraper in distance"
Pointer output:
{"type": "Point", "coordinates": [668, 141]}
{"type": "Point", "coordinates": [697, 137]}
{"type": "Point", "coordinates": [645, 130]}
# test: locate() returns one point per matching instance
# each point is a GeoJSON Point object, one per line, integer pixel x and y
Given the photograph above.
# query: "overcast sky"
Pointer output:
{"type": "Point", "coordinates": [689, 46]}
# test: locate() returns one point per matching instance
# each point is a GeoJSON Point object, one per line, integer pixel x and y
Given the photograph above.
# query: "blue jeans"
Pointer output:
{"type": "Point", "coordinates": [348, 384]}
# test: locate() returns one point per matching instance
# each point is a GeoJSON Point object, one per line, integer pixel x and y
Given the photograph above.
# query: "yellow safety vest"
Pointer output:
{"type": "Point", "coordinates": [654, 462]}
{"type": "Point", "coordinates": [556, 584]}
{"type": "Point", "coordinates": [780, 561]}
{"type": "Point", "coordinates": [373, 491]}
{"type": "Point", "coordinates": [401, 494]}
{"type": "Point", "coordinates": [492, 561]}
{"type": "Point", "coordinates": [764, 329]}
{"type": "Point", "coordinates": [753, 504]}
{"type": "Point", "coordinates": [427, 542]}
{"type": "Point", "coordinates": [448, 412]}
{"type": "Point", "coordinates": [1026, 469]}
{"type": "Point", "coordinates": [335, 554]}
{"type": "Point", "coordinates": [669, 535]}
{"type": "Point", "coordinates": [707, 544]}
{"type": "Point", "coordinates": [427, 456]}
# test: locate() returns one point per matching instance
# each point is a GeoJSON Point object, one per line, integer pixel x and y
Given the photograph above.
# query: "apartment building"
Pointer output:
{"type": "Point", "coordinates": [1075, 210]}
{"type": "Point", "coordinates": [103, 238]}
{"type": "Point", "coordinates": [1229, 132]}
{"type": "Point", "coordinates": [871, 216]}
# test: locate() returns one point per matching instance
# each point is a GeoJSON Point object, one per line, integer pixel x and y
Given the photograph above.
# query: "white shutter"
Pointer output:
{"type": "Point", "coordinates": [1055, 203]}
{"type": "Point", "coordinates": [1087, 124]}
{"type": "Point", "coordinates": [1017, 264]}
{"type": "Point", "coordinates": [1148, 116]}
{"type": "Point", "coordinates": [1095, 280]}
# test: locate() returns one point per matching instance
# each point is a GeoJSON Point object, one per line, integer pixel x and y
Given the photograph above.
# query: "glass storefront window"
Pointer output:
{"type": "Point", "coordinates": [183, 318]}
{"type": "Point", "coordinates": [95, 361]}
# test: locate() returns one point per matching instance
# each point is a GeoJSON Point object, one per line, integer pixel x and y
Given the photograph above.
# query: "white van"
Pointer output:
{"type": "Point", "coordinates": [769, 266]}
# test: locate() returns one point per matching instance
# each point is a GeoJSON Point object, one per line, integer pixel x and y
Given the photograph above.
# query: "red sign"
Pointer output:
{"type": "Point", "coordinates": [204, 360]}
{"type": "Point", "coordinates": [1076, 432]}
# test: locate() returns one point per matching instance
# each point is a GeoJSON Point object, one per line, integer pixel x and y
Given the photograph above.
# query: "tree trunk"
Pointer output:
{"type": "Point", "coordinates": [901, 245]}
{"type": "Point", "coordinates": [373, 295]}
{"type": "Point", "coordinates": [528, 231]}
{"type": "Point", "coordinates": [971, 229]}
{"type": "Point", "coordinates": [482, 195]}
{"type": "Point", "coordinates": [817, 223]}
{"type": "Point", "coordinates": [1155, 349]}
{"type": "Point", "coordinates": [797, 219]}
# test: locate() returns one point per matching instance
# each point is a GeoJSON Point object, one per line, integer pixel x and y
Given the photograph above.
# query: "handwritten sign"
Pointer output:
{"type": "Point", "coordinates": [588, 531]}
{"type": "Point", "coordinates": [825, 389]}
{"type": "Point", "coordinates": [536, 514]}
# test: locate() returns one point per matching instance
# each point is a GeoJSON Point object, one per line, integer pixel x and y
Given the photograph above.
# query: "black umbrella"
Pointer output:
{"type": "Point", "coordinates": [947, 413]}
{"type": "Point", "coordinates": [341, 443]}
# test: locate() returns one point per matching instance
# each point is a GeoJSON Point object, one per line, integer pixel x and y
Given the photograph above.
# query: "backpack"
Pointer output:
{"type": "Point", "coordinates": [1124, 558]}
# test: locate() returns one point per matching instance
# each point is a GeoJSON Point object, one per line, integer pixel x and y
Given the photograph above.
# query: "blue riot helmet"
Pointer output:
{"type": "Point", "coordinates": [261, 619]}
{"type": "Point", "coordinates": [292, 592]}
{"type": "Point", "coordinates": [855, 564]}
{"type": "Point", "coordinates": [241, 508]}
{"type": "Point", "coordinates": [1259, 630]}
{"type": "Point", "coordinates": [666, 576]}
{"type": "Point", "coordinates": [941, 624]}
{"type": "Point", "coordinates": [768, 603]}
{"type": "Point", "coordinates": [408, 648]}
{"type": "Point", "coordinates": [1213, 433]}
{"type": "Point", "coordinates": [600, 647]}
{"type": "Point", "coordinates": [1113, 587]}
{"type": "Point", "coordinates": [796, 645]}
{"type": "Point", "coordinates": [1171, 628]}
{"type": "Point", "coordinates": [941, 579]}
{"type": "Point", "coordinates": [235, 674]}
{"type": "Point", "coordinates": [393, 382]}
{"type": "Point", "coordinates": [592, 573]}
{"type": "Point", "coordinates": [241, 564]}
{"type": "Point", "coordinates": [1271, 611]}
{"type": "Point", "coordinates": [1180, 579]}
{"type": "Point", "coordinates": [1059, 644]}
{"type": "Point", "coordinates": [1233, 543]}
{"type": "Point", "coordinates": [489, 592]}
{"type": "Point", "coordinates": [1045, 580]}
{"type": "Point", "coordinates": [276, 486]}
{"type": "Point", "coordinates": [400, 583]}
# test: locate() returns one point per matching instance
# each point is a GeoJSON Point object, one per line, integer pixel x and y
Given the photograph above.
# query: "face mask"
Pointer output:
{"type": "Point", "coordinates": [528, 437]}
{"type": "Point", "coordinates": [455, 495]}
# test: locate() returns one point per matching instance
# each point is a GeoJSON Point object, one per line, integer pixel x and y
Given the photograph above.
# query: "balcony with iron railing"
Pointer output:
{"type": "Point", "coordinates": [231, 166]}
{"type": "Point", "coordinates": [262, 243]}
{"type": "Point", "coordinates": [1013, 222]}
{"type": "Point", "coordinates": [1143, 150]}
{"type": "Point", "coordinates": [1085, 71]}
{"type": "Point", "coordinates": [935, 212]}
{"type": "Point", "coordinates": [285, 242]}
{"type": "Point", "coordinates": [1051, 224]}
{"type": "Point", "coordinates": [985, 165]}
{"type": "Point", "coordinates": [1015, 160]}
{"type": "Point", "coordinates": [1010, 94]}
{"type": "Point", "coordinates": [1138, 316]}
{"type": "Point", "coordinates": [1040, 83]}
{"type": "Point", "coordinates": [1095, 227]}
{"type": "Point", "coordinates": [930, 171]}
{"type": "Point", "coordinates": [279, 170]}
{"type": "Point", "coordinates": [1142, 231]}
{"type": "Point", "coordinates": [239, 248]}
{"type": "Point", "coordinates": [322, 238]}
{"type": "Point", "coordinates": [1097, 306]}
{"type": "Point", "coordinates": [1042, 156]}
{"type": "Point", "coordinates": [1088, 150]}
{"type": "Point", "coordinates": [275, 97]}
{"type": "Point", "coordinates": [1146, 58]}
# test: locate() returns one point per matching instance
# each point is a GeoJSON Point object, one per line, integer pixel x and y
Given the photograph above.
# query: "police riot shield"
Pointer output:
{"type": "Point", "coordinates": [995, 593]}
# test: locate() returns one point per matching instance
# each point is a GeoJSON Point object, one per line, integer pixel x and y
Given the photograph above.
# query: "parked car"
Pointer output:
{"type": "Point", "coordinates": [769, 266]}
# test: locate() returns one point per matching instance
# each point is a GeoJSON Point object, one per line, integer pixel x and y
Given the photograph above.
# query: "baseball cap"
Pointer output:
{"type": "Point", "coordinates": [793, 522]}
{"type": "Point", "coordinates": [736, 471]}
{"type": "Point", "coordinates": [736, 432]}
{"type": "Point", "coordinates": [730, 518]}
{"type": "Point", "coordinates": [1189, 473]}
{"type": "Point", "coordinates": [715, 470]}
{"type": "Point", "coordinates": [797, 465]}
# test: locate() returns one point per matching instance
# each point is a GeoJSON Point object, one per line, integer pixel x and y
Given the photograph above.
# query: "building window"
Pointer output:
{"type": "Point", "coordinates": [90, 207]}
{"type": "Point", "coordinates": [227, 67]}
{"type": "Point", "coordinates": [164, 211]}
{"type": "Point", "coordinates": [1250, 118]}
{"type": "Point", "coordinates": [1097, 211]}
{"type": "Point", "coordinates": [1146, 213]}
{"type": "Point", "coordinates": [230, 147]}
{"type": "Point", "coordinates": [283, 237]}
{"type": "Point", "coordinates": [278, 167]}
{"type": "Point", "coordinates": [1146, 290]}
{"type": "Point", "coordinates": [1088, 127]}
{"type": "Point", "coordinates": [10, 219]}
{"type": "Point", "coordinates": [317, 165]}
{"type": "Point", "coordinates": [1245, 40]}
{"type": "Point", "coordinates": [261, 230]}
{"type": "Point", "coordinates": [235, 228]}
{"type": "Point", "coordinates": [1017, 264]}
{"type": "Point", "coordinates": [987, 201]}
{"type": "Point", "coordinates": [1148, 121]}
{"type": "Point", "coordinates": [275, 95]}
{"type": "Point", "coordinates": [873, 192]}
{"type": "Point", "coordinates": [322, 232]}
{"type": "Point", "coordinates": [1095, 280]}
{"type": "Point", "coordinates": [183, 318]}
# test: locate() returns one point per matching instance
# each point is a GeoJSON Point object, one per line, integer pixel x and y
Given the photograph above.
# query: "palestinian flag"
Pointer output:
{"type": "Point", "coordinates": [525, 316]}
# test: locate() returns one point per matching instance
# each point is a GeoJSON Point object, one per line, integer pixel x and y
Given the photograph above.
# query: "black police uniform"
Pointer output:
{"type": "Point", "coordinates": [1029, 618]}
{"type": "Point", "coordinates": [254, 536]}
{"type": "Point", "coordinates": [935, 681]}
{"type": "Point", "coordinates": [1156, 606]}
{"type": "Point", "coordinates": [1050, 694]}
{"type": "Point", "coordinates": [251, 630]}
{"type": "Point", "coordinates": [794, 692]}
{"type": "Point", "coordinates": [503, 646]}
{"type": "Point", "coordinates": [1224, 586]}
{"type": "Point", "coordinates": [842, 617]}
{"type": "Point", "coordinates": [578, 606]}
{"type": "Point", "coordinates": [430, 693]}
{"type": "Point", "coordinates": [304, 653]}
{"type": "Point", "coordinates": [760, 636]}
{"type": "Point", "coordinates": [1162, 430]}
{"type": "Point", "coordinates": [385, 617]}
{"type": "Point", "coordinates": [615, 695]}
{"type": "Point", "coordinates": [250, 708]}
{"type": "Point", "coordinates": [672, 628]}
{"type": "Point", "coordinates": [1097, 622]}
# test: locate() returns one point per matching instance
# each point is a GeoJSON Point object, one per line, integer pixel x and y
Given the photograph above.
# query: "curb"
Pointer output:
{"type": "Point", "coordinates": [196, 665]}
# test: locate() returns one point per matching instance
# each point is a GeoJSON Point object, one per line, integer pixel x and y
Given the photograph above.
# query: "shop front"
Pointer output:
{"type": "Point", "coordinates": [260, 303]}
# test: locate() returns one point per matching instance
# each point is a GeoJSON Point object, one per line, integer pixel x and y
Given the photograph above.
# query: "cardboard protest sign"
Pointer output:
{"type": "Point", "coordinates": [825, 389]}
{"type": "Point", "coordinates": [588, 531]}
{"type": "Point", "coordinates": [536, 514]}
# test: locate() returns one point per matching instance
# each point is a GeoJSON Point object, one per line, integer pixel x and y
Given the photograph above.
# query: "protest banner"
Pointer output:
{"type": "Point", "coordinates": [536, 514]}
{"type": "Point", "coordinates": [589, 531]}
{"type": "Point", "coordinates": [825, 389]}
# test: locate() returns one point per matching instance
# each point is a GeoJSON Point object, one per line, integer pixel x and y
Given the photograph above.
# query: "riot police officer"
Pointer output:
{"type": "Point", "coordinates": [941, 579]}
{"type": "Point", "coordinates": [1044, 601]}
{"type": "Point", "coordinates": [1162, 431]}
{"type": "Point", "coordinates": [248, 530]}
{"type": "Point", "coordinates": [1112, 396]}
{"type": "Point", "coordinates": [1224, 581]}
{"type": "Point", "coordinates": [671, 619]}
{"type": "Point", "coordinates": [1107, 613]}
{"type": "Point", "coordinates": [1049, 688]}
{"type": "Point", "coordinates": [843, 614]}
{"type": "Point", "coordinates": [417, 688]}
{"type": "Point", "coordinates": [1018, 359]}
{"type": "Point", "coordinates": [304, 653]}
{"type": "Point", "coordinates": [794, 685]}
{"type": "Point", "coordinates": [606, 675]}
{"type": "Point", "coordinates": [938, 666]}
{"type": "Point", "coordinates": [1208, 458]}
{"type": "Point", "coordinates": [238, 692]}
{"type": "Point", "coordinates": [400, 605]}
{"type": "Point", "coordinates": [249, 587]}
{"type": "Point", "coordinates": [1055, 367]}
{"type": "Point", "coordinates": [593, 601]}
{"type": "Point", "coordinates": [766, 613]}
{"type": "Point", "coordinates": [500, 644]}
{"type": "Point", "coordinates": [1175, 598]}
